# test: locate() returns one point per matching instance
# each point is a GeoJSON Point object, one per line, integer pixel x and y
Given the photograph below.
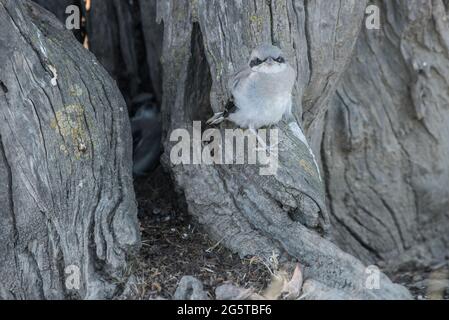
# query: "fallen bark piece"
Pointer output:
{"type": "Point", "coordinates": [292, 289]}
{"type": "Point", "coordinates": [283, 287]}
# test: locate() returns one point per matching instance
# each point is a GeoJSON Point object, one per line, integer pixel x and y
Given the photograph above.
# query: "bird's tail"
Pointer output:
{"type": "Point", "coordinates": [219, 117]}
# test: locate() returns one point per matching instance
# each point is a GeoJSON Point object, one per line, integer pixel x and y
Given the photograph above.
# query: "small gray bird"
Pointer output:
{"type": "Point", "coordinates": [261, 91]}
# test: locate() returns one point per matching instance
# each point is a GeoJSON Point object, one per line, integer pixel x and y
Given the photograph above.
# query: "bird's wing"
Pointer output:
{"type": "Point", "coordinates": [238, 78]}
{"type": "Point", "coordinates": [234, 81]}
{"type": "Point", "coordinates": [229, 108]}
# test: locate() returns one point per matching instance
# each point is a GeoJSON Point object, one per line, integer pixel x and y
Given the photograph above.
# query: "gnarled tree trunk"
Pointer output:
{"type": "Point", "coordinates": [204, 42]}
{"type": "Point", "coordinates": [65, 164]}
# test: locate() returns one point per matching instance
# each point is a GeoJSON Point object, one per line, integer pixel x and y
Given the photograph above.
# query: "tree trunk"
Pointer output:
{"type": "Point", "coordinates": [264, 216]}
{"type": "Point", "coordinates": [65, 164]}
{"type": "Point", "coordinates": [386, 141]}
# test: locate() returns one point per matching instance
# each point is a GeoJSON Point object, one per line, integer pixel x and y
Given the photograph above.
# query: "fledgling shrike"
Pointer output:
{"type": "Point", "coordinates": [261, 91]}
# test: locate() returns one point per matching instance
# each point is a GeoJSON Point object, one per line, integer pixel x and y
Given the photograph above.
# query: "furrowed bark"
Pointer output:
{"type": "Point", "coordinates": [385, 141]}
{"type": "Point", "coordinates": [65, 164]}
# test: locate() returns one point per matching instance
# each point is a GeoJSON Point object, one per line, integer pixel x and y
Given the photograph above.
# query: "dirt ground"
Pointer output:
{"type": "Point", "coordinates": [174, 246]}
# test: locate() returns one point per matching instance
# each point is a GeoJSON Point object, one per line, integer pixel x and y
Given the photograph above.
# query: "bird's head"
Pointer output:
{"type": "Point", "coordinates": [267, 58]}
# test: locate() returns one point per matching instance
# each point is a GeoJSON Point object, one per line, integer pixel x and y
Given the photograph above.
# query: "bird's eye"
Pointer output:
{"type": "Point", "coordinates": [255, 62]}
{"type": "Point", "coordinates": [280, 60]}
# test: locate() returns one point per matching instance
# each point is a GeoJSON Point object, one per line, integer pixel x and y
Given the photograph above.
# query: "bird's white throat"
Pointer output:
{"type": "Point", "coordinates": [270, 68]}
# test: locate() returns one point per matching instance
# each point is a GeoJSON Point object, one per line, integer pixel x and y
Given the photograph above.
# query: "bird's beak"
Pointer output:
{"type": "Point", "coordinates": [270, 61]}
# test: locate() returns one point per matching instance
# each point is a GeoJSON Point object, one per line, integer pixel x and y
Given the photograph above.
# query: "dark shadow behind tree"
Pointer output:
{"type": "Point", "coordinates": [114, 30]}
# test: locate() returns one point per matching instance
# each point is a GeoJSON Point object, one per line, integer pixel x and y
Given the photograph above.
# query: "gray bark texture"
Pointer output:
{"type": "Point", "coordinates": [385, 147]}
{"type": "Point", "coordinates": [284, 215]}
{"type": "Point", "coordinates": [65, 164]}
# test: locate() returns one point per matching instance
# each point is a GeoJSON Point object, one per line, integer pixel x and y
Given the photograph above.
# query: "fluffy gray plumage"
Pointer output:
{"type": "Point", "coordinates": [261, 91]}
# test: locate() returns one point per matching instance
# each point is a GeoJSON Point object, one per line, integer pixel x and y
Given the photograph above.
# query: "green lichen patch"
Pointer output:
{"type": "Point", "coordinates": [75, 91]}
{"type": "Point", "coordinates": [71, 125]}
{"type": "Point", "coordinates": [256, 21]}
